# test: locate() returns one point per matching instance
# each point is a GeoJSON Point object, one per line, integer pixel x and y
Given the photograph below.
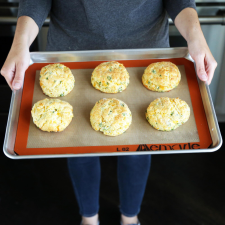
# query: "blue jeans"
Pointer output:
{"type": "Point", "coordinates": [132, 174]}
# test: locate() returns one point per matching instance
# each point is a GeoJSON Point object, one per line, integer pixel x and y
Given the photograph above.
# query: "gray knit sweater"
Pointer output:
{"type": "Point", "coordinates": [104, 24]}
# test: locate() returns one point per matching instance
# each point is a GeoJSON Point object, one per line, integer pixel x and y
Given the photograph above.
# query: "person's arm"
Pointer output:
{"type": "Point", "coordinates": [187, 23]}
{"type": "Point", "coordinates": [31, 16]}
{"type": "Point", "coordinates": [185, 17]}
{"type": "Point", "coordinates": [19, 58]}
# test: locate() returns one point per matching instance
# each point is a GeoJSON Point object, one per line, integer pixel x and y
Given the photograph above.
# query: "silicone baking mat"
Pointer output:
{"type": "Point", "coordinates": [79, 137]}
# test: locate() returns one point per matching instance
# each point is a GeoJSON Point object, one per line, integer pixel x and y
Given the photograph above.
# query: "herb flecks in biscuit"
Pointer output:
{"type": "Point", "coordinates": [110, 116]}
{"type": "Point", "coordinates": [56, 80]}
{"type": "Point", "coordinates": [52, 114]}
{"type": "Point", "coordinates": [161, 76]}
{"type": "Point", "coordinates": [167, 114]}
{"type": "Point", "coordinates": [110, 77]}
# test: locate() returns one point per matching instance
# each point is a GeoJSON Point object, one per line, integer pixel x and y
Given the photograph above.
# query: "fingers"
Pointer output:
{"type": "Point", "coordinates": [8, 72]}
{"type": "Point", "coordinates": [200, 66]}
{"type": "Point", "coordinates": [211, 65]}
{"type": "Point", "coordinates": [19, 75]}
{"type": "Point", "coordinates": [205, 65]}
{"type": "Point", "coordinates": [14, 74]}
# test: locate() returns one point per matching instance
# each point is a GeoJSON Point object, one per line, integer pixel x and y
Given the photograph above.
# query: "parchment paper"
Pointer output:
{"type": "Point", "coordinates": [83, 97]}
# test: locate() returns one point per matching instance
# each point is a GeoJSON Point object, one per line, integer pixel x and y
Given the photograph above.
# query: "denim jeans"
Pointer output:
{"type": "Point", "coordinates": [132, 174]}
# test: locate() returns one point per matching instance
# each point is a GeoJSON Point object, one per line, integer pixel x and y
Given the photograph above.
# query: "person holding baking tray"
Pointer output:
{"type": "Point", "coordinates": [98, 24]}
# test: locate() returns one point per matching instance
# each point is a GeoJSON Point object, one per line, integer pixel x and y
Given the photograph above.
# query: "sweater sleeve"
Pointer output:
{"type": "Point", "coordinates": [38, 10]}
{"type": "Point", "coordinates": [174, 7]}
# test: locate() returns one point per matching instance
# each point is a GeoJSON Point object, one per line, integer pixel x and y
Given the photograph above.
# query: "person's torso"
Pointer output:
{"type": "Point", "coordinates": [112, 24]}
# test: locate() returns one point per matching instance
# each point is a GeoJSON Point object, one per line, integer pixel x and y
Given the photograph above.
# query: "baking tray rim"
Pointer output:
{"type": "Point", "coordinates": [104, 55]}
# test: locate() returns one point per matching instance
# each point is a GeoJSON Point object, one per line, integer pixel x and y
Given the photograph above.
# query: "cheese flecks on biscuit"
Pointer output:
{"type": "Point", "coordinates": [167, 114]}
{"type": "Point", "coordinates": [52, 114]}
{"type": "Point", "coordinates": [56, 80]}
{"type": "Point", "coordinates": [110, 77]}
{"type": "Point", "coordinates": [161, 76]}
{"type": "Point", "coordinates": [110, 116]}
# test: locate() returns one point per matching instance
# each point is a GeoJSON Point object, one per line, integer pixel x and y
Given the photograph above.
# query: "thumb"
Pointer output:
{"type": "Point", "coordinates": [19, 75]}
{"type": "Point", "coordinates": [200, 66]}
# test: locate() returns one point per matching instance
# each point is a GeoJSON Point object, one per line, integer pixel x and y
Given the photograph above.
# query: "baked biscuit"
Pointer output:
{"type": "Point", "coordinates": [110, 77]}
{"type": "Point", "coordinates": [167, 114]}
{"type": "Point", "coordinates": [111, 116]}
{"type": "Point", "coordinates": [161, 76]}
{"type": "Point", "coordinates": [52, 114]}
{"type": "Point", "coordinates": [56, 80]}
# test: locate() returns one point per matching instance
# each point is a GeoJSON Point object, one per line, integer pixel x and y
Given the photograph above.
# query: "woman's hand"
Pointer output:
{"type": "Point", "coordinates": [205, 62]}
{"type": "Point", "coordinates": [187, 23]}
{"type": "Point", "coordinates": [15, 65]}
{"type": "Point", "coordinates": [18, 58]}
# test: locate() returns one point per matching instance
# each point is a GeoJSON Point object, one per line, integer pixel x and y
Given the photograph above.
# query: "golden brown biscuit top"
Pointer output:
{"type": "Point", "coordinates": [167, 113]}
{"type": "Point", "coordinates": [56, 80]}
{"type": "Point", "coordinates": [111, 116]}
{"type": "Point", "coordinates": [161, 76]}
{"type": "Point", "coordinates": [52, 114]}
{"type": "Point", "coordinates": [111, 77]}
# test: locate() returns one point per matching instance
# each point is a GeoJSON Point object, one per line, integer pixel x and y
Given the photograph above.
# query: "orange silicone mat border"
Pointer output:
{"type": "Point", "coordinates": [26, 106]}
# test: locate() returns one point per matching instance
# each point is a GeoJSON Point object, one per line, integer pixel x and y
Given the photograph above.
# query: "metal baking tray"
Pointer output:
{"type": "Point", "coordinates": [108, 55]}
